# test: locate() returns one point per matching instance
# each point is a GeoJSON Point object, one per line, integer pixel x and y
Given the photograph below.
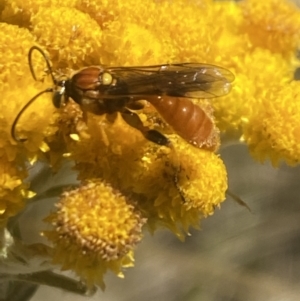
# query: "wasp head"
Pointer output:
{"type": "Point", "coordinates": [59, 96]}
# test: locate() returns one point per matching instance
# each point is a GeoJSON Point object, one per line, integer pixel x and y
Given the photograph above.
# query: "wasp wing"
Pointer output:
{"type": "Point", "coordinates": [191, 80]}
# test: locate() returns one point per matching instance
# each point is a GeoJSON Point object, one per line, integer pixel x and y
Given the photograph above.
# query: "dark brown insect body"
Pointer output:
{"type": "Point", "coordinates": [169, 88]}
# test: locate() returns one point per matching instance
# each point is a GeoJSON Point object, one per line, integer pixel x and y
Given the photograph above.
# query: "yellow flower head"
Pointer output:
{"type": "Point", "coordinates": [256, 73]}
{"type": "Point", "coordinates": [272, 24]}
{"type": "Point", "coordinates": [180, 195]}
{"type": "Point", "coordinates": [12, 190]}
{"type": "Point", "coordinates": [19, 13]}
{"type": "Point", "coordinates": [95, 228]}
{"type": "Point", "coordinates": [15, 43]}
{"type": "Point", "coordinates": [75, 38]}
{"type": "Point", "coordinates": [274, 131]}
{"type": "Point", "coordinates": [128, 44]}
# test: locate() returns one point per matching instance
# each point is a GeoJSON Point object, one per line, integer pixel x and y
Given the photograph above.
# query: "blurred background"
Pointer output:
{"type": "Point", "coordinates": [236, 256]}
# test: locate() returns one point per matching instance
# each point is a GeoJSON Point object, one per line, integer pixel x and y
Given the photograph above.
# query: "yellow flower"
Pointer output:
{"type": "Point", "coordinates": [12, 190]}
{"type": "Point", "coordinates": [74, 39]}
{"type": "Point", "coordinates": [127, 44]}
{"type": "Point", "coordinates": [13, 60]}
{"type": "Point", "coordinates": [272, 24]}
{"type": "Point", "coordinates": [95, 228]}
{"type": "Point", "coordinates": [274, 130]}
{"type": "Point", "coordinates": [19, 13]}
{"type": "Point", "coordinates": [184, 186]}
{"type": "Point", "coordinates": [256, 73]}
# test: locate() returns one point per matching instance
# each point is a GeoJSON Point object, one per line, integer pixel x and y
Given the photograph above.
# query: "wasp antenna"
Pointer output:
{"type": "Point", "coordinates": [14, 125]}
{"type": "Point", "coordinates": [46, 59]}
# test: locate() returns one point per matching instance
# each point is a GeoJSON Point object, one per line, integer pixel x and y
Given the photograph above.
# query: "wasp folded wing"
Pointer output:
{"type": "Point", "coordinates": [191, 80]}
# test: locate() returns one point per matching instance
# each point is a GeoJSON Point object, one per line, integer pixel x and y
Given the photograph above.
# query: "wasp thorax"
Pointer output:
{"type": "Point", "coordinates": [107, 78]}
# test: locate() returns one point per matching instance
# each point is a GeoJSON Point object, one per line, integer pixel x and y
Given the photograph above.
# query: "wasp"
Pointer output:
{"type": "Point", "coordinates": [169, 88]}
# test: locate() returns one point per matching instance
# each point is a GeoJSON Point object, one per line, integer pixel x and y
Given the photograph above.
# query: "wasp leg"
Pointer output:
{"type": "Point", "coordinates": [133, 120]}
{"type": "Point", "coordinates": [177, 170]}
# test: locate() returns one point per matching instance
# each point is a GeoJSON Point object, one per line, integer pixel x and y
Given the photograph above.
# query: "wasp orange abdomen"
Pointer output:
{"type": "Point", "coordinates": [188, 120]}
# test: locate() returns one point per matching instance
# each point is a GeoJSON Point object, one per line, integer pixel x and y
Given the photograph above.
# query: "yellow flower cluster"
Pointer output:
{"type": "Point", "coordinates": [261, 52]}
{"type": "Point", "coordinates": [172, 186]}
{"type": "Point", "coordinates": [16, 89]}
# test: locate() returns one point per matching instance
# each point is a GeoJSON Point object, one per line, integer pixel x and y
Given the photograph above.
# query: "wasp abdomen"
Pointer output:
{"type": "Point", "coordinates": [188, 120]}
